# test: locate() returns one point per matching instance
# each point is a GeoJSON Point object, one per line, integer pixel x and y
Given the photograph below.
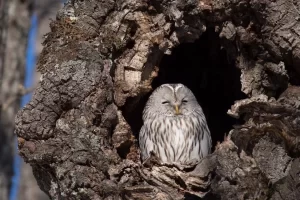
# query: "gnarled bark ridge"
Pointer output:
{"type": "Point", "coordinates": [102, 56]}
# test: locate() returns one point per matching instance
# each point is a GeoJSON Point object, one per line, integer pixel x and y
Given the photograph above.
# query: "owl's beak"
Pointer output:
{"type": "Point", "coordinates": [177, 112]}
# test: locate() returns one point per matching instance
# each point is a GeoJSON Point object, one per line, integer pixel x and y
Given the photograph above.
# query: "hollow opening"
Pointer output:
{"type": "Point", "coordinates": [204, 68]}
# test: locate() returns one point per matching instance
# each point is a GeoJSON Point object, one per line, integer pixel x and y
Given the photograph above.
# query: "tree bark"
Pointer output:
{"type": "Point", "coordinates": [98, 63]}
{"type": "Point", "coordinates": [5, 161]}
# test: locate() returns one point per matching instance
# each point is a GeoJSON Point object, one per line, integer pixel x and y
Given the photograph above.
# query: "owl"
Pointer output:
{"type": "Point", "coordinates": [174, 126]}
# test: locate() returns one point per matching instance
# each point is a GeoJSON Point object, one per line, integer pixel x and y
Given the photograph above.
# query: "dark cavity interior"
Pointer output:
{"type": "Point", "coordinates": [202, 66]}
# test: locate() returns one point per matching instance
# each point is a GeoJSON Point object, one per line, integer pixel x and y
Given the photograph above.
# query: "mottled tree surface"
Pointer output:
{"type": "Point", "coordinates": [97, 66]}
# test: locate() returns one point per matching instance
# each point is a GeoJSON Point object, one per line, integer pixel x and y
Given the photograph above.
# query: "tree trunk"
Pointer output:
{"type": "Point", "coordinates": [101, 61]}
{"type": "Point", "coordinates": [13, 31]}
{"type": "Point", "coordinates": [6, 160]}
{"type": "Point", "coordinates": [15, 23]}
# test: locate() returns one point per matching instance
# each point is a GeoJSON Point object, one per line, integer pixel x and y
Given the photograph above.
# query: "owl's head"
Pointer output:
{"type": "Point", "coordinates": [171, 100]}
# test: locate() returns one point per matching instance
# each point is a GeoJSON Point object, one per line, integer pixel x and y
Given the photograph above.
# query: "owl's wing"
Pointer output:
{"type": "Point", "coordinates": [206, 142]}
{"type": "Point", "coordinates": [146, 144]}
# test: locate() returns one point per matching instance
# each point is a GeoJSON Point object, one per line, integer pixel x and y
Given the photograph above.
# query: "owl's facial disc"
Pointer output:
{"type": "Point", "coordinates": [174, 101]}
{"type": "Point", "coordinates": [174, 106]}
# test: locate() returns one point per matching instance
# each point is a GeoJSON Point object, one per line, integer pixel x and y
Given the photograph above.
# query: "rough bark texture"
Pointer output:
{"type": "Point", "coordinates": [45, 10]}
{"type": "Point", "coordinates": [101, 56]}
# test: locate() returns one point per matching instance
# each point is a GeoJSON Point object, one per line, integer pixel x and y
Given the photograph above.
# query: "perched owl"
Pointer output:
{"type": "Point", "coordinates": [175, 127]}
